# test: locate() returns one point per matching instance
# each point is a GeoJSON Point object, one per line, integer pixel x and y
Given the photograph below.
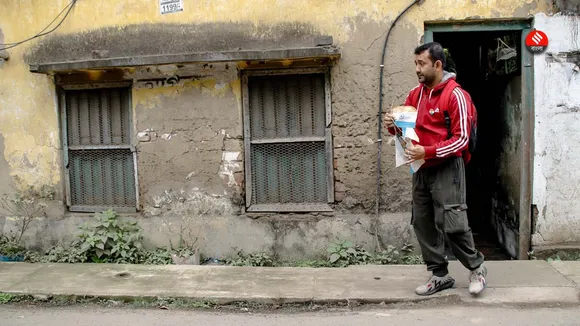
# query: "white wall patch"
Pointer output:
{"type": "Point", "coordinates": [170, 6]}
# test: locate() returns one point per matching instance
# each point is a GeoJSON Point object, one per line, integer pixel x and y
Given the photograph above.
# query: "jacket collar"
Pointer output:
{"type": "Point", "coordinates": [428, 93]}
{"type": "Point", "coordinates": [447, 76]}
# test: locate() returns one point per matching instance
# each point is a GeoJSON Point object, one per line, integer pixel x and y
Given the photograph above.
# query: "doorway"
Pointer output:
{"type": "Point", "coordinates": [490, 66]}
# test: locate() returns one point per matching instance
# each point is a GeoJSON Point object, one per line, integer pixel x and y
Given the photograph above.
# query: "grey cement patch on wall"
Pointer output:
{"type": "Point", "coordinates": [525, 9]}
{"type": "Point", "coordinates": [151, 39]}
{"type": "Point", "coordinates": [192, 133]}
{"type": "Point", "coordinates": [222, 236]}
{"type": "Point", "coordinates": [6, 180]}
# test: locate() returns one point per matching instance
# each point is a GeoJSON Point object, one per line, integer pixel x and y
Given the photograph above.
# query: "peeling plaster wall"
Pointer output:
{"type": "Point", "coordinates": [557, 127]}
{"type": "Point", "coordinates": [189, 135]}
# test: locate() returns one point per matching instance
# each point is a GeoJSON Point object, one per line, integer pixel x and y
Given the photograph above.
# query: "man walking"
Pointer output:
{"type": "Point", "coordinates": [439, 198]}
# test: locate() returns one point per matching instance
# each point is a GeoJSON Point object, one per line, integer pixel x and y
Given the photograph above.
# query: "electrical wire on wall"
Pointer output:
{"type": "Point", "coordinates": [380, 118]}
{"type": "Point", "coordinates": [6, 46]}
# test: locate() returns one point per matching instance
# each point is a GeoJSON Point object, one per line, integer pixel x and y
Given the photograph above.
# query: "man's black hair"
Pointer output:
{"type": "Point", "coordinates": [435, 52]}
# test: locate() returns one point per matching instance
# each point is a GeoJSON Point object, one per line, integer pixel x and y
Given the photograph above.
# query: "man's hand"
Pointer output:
{"type": "Point", "coordinates": [389, 120]}
{"type": "Point", "coordinates": [415, 152]}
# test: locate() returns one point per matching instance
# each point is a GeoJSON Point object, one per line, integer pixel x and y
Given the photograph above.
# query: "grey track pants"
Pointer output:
{"type": "Point", "coordinates": [439, 209]}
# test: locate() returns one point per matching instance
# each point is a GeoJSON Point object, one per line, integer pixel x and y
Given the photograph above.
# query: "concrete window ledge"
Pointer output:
{"type": "Point", "coordinates": [290, 208]}
{"type": "Point", "coordinates": [225, 56]}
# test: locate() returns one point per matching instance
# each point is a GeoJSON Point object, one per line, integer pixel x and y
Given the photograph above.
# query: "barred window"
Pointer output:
{"type": "Point", "coordinates": [288, 141]}
{"type": "Point", "coordinates": [99, 158]}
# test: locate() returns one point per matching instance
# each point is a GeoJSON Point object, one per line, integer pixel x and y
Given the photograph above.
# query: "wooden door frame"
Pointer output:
{"type": "Point", "coordinates": [527, 131]}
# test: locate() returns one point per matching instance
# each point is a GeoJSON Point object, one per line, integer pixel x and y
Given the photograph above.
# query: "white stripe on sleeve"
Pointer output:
{"type": "Point", "coordinates": [463, 138]}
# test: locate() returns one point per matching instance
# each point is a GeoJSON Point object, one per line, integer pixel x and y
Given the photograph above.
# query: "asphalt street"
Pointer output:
{"type": "Point", "coordinates": [446, 315]}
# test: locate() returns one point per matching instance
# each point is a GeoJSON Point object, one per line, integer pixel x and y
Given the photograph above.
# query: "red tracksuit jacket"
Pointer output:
{"type": "Point", "coordinates": [430, 124]}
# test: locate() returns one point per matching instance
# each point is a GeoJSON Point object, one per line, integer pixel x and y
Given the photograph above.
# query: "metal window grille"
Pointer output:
{"type": "Point", "coordinates": [99, 160]}
{"type": "Point", "coordinates": [288, 139]}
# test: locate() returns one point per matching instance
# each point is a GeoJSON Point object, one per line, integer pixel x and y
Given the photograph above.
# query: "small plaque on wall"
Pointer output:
{"type": "Point", "coordinates": [170, 6]}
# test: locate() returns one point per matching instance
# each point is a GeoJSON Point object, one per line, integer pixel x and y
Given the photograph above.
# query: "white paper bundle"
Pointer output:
{"type": "Point", "coordinates": [406, 121]}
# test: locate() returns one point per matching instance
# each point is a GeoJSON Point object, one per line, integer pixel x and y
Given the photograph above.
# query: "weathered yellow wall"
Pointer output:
{"type": "Point", "coordinates": [29, 124]}
{"type": "Point", "coordinates": [332, 17]}
{"type": "Point", "coordinates": [29, 121]}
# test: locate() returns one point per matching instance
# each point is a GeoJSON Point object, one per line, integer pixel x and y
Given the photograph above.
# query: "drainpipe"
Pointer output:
{"type": "Point", "coordinates": [380, 116]}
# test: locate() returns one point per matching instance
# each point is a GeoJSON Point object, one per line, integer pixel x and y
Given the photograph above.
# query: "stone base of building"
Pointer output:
{"type": "Point", "coordinates": [289, 237]}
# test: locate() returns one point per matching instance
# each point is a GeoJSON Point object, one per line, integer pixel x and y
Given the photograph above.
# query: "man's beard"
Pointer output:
{"type": "Point", "coordinates": [427, 80]}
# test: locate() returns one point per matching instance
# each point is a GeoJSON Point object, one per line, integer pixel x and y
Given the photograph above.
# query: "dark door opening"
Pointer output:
{"type": "Point", "coordinates": [488, 66]}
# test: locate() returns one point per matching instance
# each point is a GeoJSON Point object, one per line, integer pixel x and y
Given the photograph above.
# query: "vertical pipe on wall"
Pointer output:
{"type": "Point", "coordinates": [380, 116]}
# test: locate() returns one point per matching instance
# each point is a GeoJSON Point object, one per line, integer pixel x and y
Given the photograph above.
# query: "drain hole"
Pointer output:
{"type": "Point", "coordinates": [123, 274]}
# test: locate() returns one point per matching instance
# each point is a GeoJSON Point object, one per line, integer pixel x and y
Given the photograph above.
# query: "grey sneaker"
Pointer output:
{"type": "Point", "coordinates": [435, 284]}
{"type": "Point", "coordinates": [477, 281]}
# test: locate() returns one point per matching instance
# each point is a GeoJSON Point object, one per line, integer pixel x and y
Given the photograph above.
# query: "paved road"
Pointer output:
{"type": "Point", "coordinates": [16, 316]}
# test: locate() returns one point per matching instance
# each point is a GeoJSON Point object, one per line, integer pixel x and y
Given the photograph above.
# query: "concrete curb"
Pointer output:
{"type": "Point", "coordinates": [529, 297]}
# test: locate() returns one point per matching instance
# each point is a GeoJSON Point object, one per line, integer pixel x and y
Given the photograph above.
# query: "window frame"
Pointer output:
{"type": "Point", "coordinates": [61, 91]}
{"type": "Point", "coordinates": [329, 153]}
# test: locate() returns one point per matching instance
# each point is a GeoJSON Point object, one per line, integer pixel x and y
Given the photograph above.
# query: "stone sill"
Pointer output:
{"type": "Point", "coordinates": [225, 56]}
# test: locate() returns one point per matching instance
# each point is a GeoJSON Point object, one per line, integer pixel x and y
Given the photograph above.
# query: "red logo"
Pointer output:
{"type": "Point", "coordinates": [536, 41]}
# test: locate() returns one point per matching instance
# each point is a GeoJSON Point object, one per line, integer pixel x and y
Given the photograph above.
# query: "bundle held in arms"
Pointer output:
{"type": "Point", "coordinates": [405, 117]}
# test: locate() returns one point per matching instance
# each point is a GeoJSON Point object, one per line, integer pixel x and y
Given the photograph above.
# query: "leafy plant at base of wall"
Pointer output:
{"type": "Point", "coordinates": [564, 256]}
{"type": "Point", "coordinates": [110, 240]}
{"type": "Point", "coordinates": [344, 253]}
{"type": "Point", "coordinates": [257, 260]}
{"type": "Point", "coordinates": [105, 240]}
{"type": "Point", "coordinates": [58, 254]}
{"type": "Point", "coordinates": [314, 263]}
{"type": "Point", "coordinates": [155, 257]}
{"type": "Point", "coordinates": [393, 256]}
{"type": "Point", "coordinates": [24, 206]}
{"type": "Point", "coordinates": [186, 256]}
{"type": "Point", "coordinates": [410, 260]}
{"type": "Point", "coordinates": [10, 248]}
{"type": "Point", "coordinates": [73, 255]}
{"type": "Point", "coordinates": [387, 256]}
